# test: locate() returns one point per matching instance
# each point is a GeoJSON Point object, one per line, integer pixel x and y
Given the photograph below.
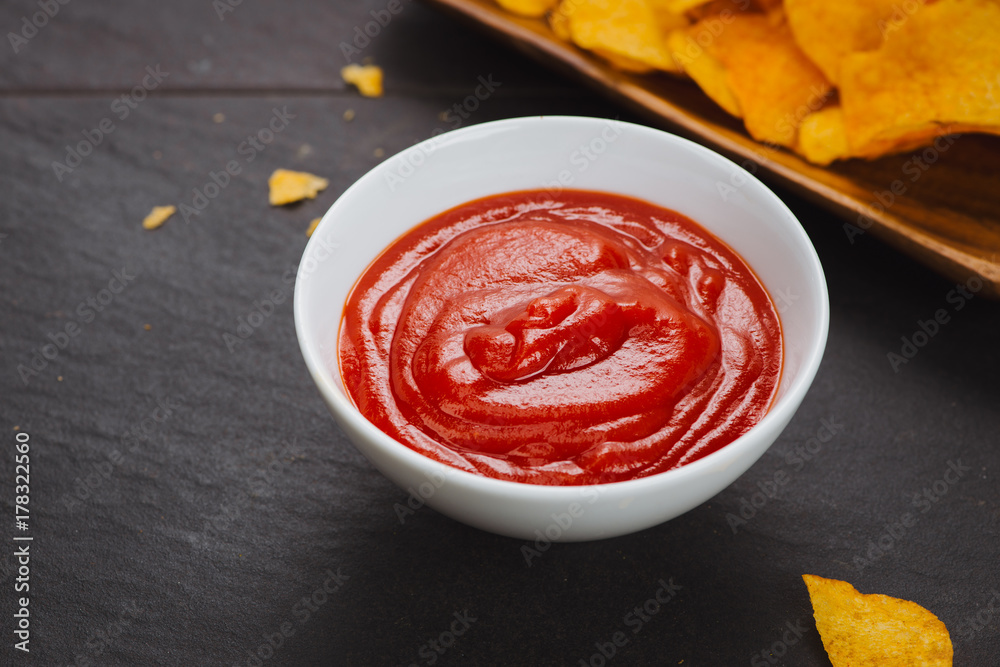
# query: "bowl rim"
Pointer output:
{"type": "Point", "coordinates": [779, 414]}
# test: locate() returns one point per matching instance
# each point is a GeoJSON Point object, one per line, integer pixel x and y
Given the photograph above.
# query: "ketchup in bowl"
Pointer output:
{"type": "Point", "coordinates": [564, 338]}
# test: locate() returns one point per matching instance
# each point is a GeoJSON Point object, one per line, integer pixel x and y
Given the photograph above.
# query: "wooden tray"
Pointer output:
{"type": "Point", "coordinates": [945, 210]}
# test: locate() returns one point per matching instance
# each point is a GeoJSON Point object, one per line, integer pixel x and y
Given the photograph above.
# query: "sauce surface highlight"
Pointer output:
{"type": "Point", "coordinates": [570, 338]}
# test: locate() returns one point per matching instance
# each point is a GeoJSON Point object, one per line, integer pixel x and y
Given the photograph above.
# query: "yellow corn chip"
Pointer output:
{"type": "Point", "coordinates": [623, 29]}
{"type": "Point", "coordinates": [532, 8]}
{"type": "Point", "coordinates": [668, 17]}
{"type": "Point", "coordinates": [312, 226]}
{"type": "Point", "coordinates": [664, 18]}
{"type": "Point", "coordinates": [292, 186]}
{"type": "Point", "coordinates": [765, 5]}
{"type": "Point", "coordinates": [623, 63]}
{"type": "Point", "coordinates": [706, 70]}
{"type": "Point", "coordinates": [822, 138]}
{"type": "Point", "coordinates": [715, 8]}
{"type": "Point", "coordinates": [367, 78]}
{"type": "Point", "coordinates": [559, 19]}
{"type": "Point", "coordinates": [938, 72]}
{"type": "Point", "coordinates": [875, 630]}
{"type": "Point", "coordinates": [774, 82]}
{"type": "Point", "coordinates": [158, 216]}
{"type": "Point", "coordinates": [680, 6]}
{"type": "Point", "coordinates": [829, 31]}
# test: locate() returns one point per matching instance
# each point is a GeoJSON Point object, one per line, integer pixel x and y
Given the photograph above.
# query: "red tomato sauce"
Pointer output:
{"type": "Point", "coordinates": [570, 338]}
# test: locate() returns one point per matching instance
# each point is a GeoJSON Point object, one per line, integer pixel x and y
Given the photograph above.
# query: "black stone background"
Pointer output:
{"type": "Point", "coordinates": [202, 538]}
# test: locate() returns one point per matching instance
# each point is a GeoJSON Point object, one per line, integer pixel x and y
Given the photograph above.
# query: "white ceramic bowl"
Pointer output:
{"type": "Point", "coordinates": [585, 153]}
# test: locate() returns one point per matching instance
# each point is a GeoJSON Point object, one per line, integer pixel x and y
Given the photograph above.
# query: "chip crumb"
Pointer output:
{"type": "Point", "coordinates": [367, 78]}
{"type": "Point", "coordinates": [304, 150]}
{"type": "Point", "coordinates": [379, 152]}
{"type": "Point", "coordinates": [443, 116]}
{"type": "Point", "coordinates": [158, 216]}
{"type": "Point", "coordinates": [875, 630]}
{"type": "Point", "coordinates": [147, 327]}
{"type": "Point", "coordinates": [157, 155]}
{"type": "Point", "coordinates": [59, 379]}
{"type": "Point", "coordinates": [291, 186]}
{"type": "Point", "coordinates": [219, 118]}
{"type": "Point", "coordinates": [349, 115]}
{"type": "Point", "coordinates": [312, 226]}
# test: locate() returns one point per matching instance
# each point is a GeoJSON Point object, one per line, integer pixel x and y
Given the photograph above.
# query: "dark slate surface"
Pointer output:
{"type": "Point", "coordinates": [186, 497]}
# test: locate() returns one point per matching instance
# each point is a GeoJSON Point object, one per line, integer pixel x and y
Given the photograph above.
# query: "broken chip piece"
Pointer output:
{"type": "Point", "coordinates": [367, 78]}
{"type": "Point", "coordinates": [158, 216]}
{"type": "Point", "coordinates": [875, 630]}
{"type": "Point", "coordinates": [292, 186]}
{"type": "Point", "coordinates": [822, 137]}
{"type": "Point", "coordinates": [312, 226]}
{"type": "Point", "coordinates": [627, 33]}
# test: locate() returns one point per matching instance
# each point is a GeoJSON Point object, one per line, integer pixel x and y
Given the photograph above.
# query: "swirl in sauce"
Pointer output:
{"type": "Point", "coordinates": [570, 338]}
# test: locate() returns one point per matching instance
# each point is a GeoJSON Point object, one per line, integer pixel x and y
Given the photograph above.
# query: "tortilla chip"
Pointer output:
{"type": "Point", "coordinates": [622, 29]}
{"type": "Point", "coordinates": [774, 83]}
{"type": "Point", "coordinates": [530, 8]}
{"type": "Point", "coordinates": [559, 19]}
{"type": "Point", "coordinates": [937, 73]}
{"type": "Point", "coordinates": [822, 137]}
{"type": "Point", "coordinates": [668, 17]}
{"type": "Point", "coordinates": [830, 31]}
{"type": "Point", "coordinates": [706, 71]}
{"type": "Point", "coordinates": [158, 216]}
{"type": "Point", "coordinates": [714, 8]}
{"type": "Point", "coordinates": [680, 6]}
{"type": "Point", "coordinates": [312, 226]}
{"type": "Point", "coordinates": [292, 186]}
{"type": "Point", "coordinates": [875, 630]}
{"type": "Point", "coordinates": [367, 78]}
